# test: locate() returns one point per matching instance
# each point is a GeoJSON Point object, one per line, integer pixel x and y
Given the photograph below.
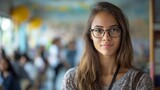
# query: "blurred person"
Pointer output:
{"type": "Point", "coordinates": [107, 62]}
{"type": "Point", "coordinates": [1, 81]}
{"type": "Point", "coordinates": [40, 68]}
{"type": "Point", "coordinates": [39, 63]}
{"type": "Point", "coordinates": [56, 59]}
{"type": "Point", "coordinates": [2, 52]}
{"type": "Point", "coordinates": [43, 54]}
{"type": "Point", "coordinates": [18, 67]}
{"type": "Point", "coordinates": [30, 70]}
{"type": "Point", "coordinates": [21, 72]}
{"type": "Point", "coordinates": [10, 79]}
{"type": "Point", "coordinates": [28, 66]}
{"type": "Point", "coordinates": [71, 53]}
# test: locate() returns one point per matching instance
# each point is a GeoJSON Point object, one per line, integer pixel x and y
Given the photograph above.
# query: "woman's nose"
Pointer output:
{"type": "Point", "coordinates": [107, 36]}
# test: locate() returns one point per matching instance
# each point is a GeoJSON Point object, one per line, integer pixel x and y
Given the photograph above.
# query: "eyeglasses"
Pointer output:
{"type": "Point", "coordinates": [99, 32]}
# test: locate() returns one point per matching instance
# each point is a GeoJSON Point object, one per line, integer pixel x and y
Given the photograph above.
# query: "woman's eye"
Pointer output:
{"type": "Point", "coordinates": [113, 29]}
{"type": "Point", "coordinates": [98, 30]}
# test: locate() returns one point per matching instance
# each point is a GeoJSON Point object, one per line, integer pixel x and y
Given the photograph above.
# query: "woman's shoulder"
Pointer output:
{"type": "Point", "coordinates": [71, 72]}
{"type": "Point", "coordinates": [69, 81]}
{"type": "Point", "coordinates": [133, 72]}
{"type": "Point", "coordinates": [144, 80]}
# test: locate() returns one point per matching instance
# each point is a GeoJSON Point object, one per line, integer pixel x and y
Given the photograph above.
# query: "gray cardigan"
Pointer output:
{"type": "Point", "coordinates": [124, 83]}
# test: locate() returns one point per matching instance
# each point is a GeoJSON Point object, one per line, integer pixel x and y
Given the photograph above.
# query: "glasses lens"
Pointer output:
{"type": "Point", "coordinates": [114, 32]}
{"type": "Point", "coordinates": [98, 32]}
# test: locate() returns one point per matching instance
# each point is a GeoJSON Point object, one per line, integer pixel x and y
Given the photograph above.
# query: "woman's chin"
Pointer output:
{"type": "Point", "coordinates": [107, 53]}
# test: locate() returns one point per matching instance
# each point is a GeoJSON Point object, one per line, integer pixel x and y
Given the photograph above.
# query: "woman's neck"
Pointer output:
{"type": "Point", "coordinates": [108, 64]}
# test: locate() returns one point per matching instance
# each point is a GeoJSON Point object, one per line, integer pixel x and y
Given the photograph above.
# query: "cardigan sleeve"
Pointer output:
{"type": "Point", "coordinates": [69, 82]}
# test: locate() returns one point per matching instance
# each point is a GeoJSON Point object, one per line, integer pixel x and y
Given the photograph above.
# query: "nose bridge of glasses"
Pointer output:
{"type": "Point", "coordinates": [106, 32]}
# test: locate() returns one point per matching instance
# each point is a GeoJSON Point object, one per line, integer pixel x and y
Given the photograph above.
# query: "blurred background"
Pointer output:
{"type": "Point", "coordinates": [34, 32]}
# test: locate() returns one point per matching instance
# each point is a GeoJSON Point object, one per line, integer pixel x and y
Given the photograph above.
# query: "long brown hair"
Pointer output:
{"type": "Point", "coordinates": [89, 71]}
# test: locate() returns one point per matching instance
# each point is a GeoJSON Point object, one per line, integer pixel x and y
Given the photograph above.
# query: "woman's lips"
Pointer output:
{"type": "Point", "coordinates": [107, 45]}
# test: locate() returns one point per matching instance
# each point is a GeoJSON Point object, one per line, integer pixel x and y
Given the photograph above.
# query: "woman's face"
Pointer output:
{"type": "Point", "coordinates": [3, 65]}
{"type": "Point", "coordinates": [105, 45]}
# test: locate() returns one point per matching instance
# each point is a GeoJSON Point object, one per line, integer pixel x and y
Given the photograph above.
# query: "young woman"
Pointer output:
{"type": "Point", "coordinates": [107, 62]}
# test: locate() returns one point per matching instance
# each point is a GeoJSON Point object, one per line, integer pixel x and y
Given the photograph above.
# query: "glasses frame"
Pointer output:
{"type": "Point", "coordinates": [108, 31]}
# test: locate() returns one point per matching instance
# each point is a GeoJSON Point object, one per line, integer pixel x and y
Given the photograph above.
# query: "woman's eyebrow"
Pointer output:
{"type": "Point", "coordinates": [113, 26]}
{"type": "Point", "coordinates": [99, 26]}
